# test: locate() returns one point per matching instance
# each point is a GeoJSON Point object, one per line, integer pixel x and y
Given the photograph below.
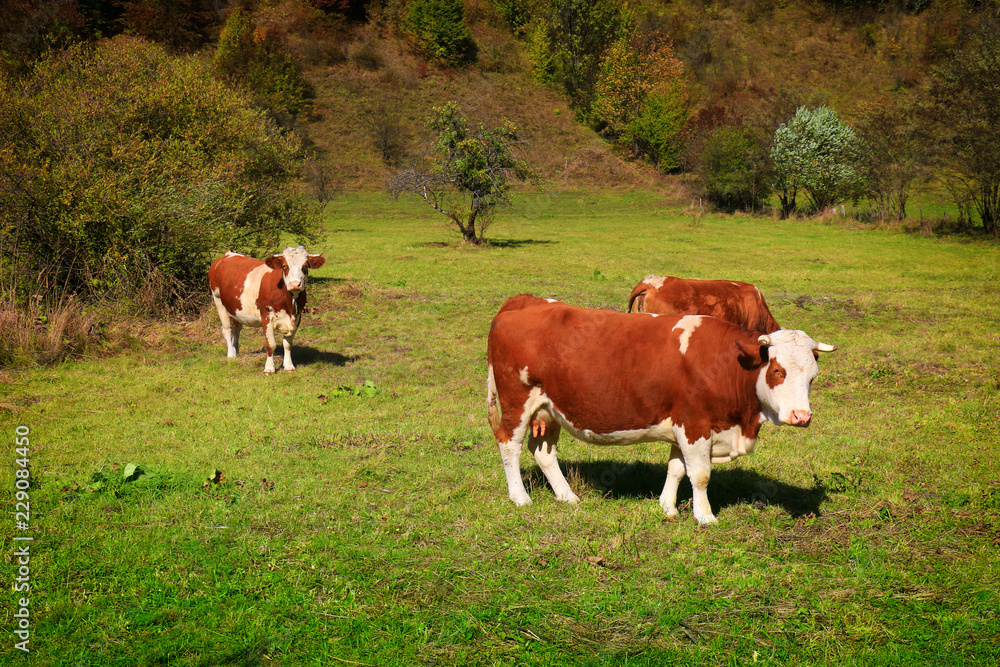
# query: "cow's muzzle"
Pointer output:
{"type": "Point", "coordinates": [800, 418]}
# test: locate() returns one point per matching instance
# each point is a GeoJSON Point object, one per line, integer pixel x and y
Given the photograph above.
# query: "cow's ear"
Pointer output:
{"type": "Point", "coordinates": [315, 261]}
{"type": "Point", "coordinates": [752, 350]}
{"type": "Point", "coordinates": [275, 261]}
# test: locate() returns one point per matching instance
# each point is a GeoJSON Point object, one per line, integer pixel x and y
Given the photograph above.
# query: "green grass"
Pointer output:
{"type": "Point", "coordinates": [368, 523]}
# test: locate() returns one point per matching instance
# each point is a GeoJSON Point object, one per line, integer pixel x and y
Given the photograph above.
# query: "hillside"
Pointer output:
{"type": "Point", "coordinates": [389, 85]}
{"type": "Point", "coordinates": [751, 55]}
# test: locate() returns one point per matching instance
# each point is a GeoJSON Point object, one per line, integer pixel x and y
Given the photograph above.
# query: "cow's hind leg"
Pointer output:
{"type": "Point", "coordinates": [510, 454]}
{"type": "Point", "coordinates": [237, 328]}
{"type": "Point", "coordinates": [542, 440]}
{"type": "Point", "coordinates": [228, 335]}
{"type": "Point", "coordinates": [675, 473]}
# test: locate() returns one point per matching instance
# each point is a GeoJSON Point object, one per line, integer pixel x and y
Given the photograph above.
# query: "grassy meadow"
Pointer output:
{"type": "Point", "coordinates": [355, 512]}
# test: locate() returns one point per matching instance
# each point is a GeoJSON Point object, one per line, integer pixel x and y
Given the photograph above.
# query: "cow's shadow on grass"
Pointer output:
{"type": "Point", "coordinates": [326, 280]}
{"type": "Point", "coordinates": [728, 486]}
{"type": "Point", "coordinates": [303, 355]}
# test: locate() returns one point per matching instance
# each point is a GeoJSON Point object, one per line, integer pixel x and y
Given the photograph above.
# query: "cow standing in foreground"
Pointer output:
{"type": "Point", "coordinates": [700, 383]}
{"type": "Point", "coordinates": [269, 294]}
{"type": "Point", "coordinates": [736, 302]}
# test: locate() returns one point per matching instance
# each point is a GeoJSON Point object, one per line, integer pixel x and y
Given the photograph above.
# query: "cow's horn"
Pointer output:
{"type": "Point", "coordinates": [825, 347]}
{"type": "Point", "coordinates": [764, 339]}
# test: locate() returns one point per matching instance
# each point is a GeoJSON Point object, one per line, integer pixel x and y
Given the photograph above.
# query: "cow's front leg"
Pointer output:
{"type": "Point", "coordinates": [269, 342]}
{"type": "Point", "coordinates": [698, 462]}
{"type": "Point", "coordinates": [675, 473]}
{"type": "Point", "coordinates": [286, 343]}
{"type": "Point", "coordinates": [542, 442]}
{"type": "Point", "coordinates": [295, 322]}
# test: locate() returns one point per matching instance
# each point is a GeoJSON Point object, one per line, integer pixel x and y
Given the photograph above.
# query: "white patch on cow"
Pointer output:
{"type": "Point", "coordinates": [652, 314]}
{"type": "Point", "coordinates": [654, 280]}
{"type": "Point", "coordinates": [283, 321]}
{"type": "Point", "coordinates": [553, 300]}
{"type": "Point", "coordinates": [248, 313]}
{"type": "Point", "coordinates": [687, 325]}
{"type": "Point", "coordinates": [661, 432]}
{"type": "Point", "coordinates": [230, 253]}
{"type": "Point", "coordinates": [794, 351]}
{"type": "Point", "coordinates": [524, 376]}
{"type": "Point", "coordinates": [295, 278]}
{"type": "Point", "coordinates": [730, 444]}
{"type": "Point", "coordinates": [217, 293]}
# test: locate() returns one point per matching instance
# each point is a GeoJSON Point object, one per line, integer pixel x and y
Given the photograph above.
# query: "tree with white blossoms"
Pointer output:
{"type": "Point", "coordinates": [812, 153]}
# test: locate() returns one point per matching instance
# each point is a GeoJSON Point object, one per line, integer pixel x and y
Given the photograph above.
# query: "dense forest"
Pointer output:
{"type": "Point", "coordinates": [138, 138]}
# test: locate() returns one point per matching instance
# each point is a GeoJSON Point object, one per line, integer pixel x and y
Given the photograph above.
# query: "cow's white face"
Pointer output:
{"type": "Point", "coordinates": [295, 264]}
{"type": "Point", "coordinates": [784, 381]}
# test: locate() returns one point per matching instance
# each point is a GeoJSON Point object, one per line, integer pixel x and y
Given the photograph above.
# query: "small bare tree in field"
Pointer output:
{"type": "Point", "coordinates": [470, 175]}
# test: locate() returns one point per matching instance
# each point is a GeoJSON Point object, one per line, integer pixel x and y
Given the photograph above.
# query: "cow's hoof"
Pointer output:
{"type": "Point", "coordinates": [288, 370]}
{"type": "Point", "coordinates": [571, 498]}
{"type": "Point", "coordinates": [521, 501]}
{"type": "Point", "coordinates": [672, 515]}
{"type": "Point", "coordinates": [268, 371]}
{"type": "Point", "coordinates": [709, 520]}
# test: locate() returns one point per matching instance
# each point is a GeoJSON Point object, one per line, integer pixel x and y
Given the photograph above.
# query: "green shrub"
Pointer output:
{"type": "Point", "coordinates": [656, 131]}
{"type": "Point", "coordinates": [735, 169]}
{"type": "Point", "coordinates": [254, 59]}
{"type": "Point", "coordinates": [124, 170]}
{"type": "Point", "coordinates": [440, 32]}
{"type": "Point", "coordinates": [517, 13]}
{"type": "Point", "coordinates": [641, 99]}
{"type": "Point", "coordinates": [964, 113]}
{"type": "Point", "coordinates": [568, 45]}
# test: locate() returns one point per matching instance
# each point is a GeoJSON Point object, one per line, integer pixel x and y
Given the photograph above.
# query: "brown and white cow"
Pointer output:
{"type": "Point", "coordinates": [736, 302]}
{"type": "Point", "coordinates": [700, 383]}
{"type": "Point", "coordinates": [269, 294]}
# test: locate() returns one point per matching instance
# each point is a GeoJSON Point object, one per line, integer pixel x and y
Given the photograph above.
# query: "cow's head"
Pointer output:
{"type": "Point", "coordinates": [787, 363]}
{"type": "Point", "coordinates": [295, 264]}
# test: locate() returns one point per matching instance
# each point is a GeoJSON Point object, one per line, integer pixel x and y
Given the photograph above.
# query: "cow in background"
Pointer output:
{"type": "Point", "coordinates": [736, 302]}
{"type": "Point", "coordinates": [270, 294]}
{"type": "Point", "coordinates": [700, 383]}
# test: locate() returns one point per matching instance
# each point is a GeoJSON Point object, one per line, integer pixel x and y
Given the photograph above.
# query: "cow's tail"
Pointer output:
{"type": "Point", "coordinates": [492, 410]}
{"type": "Point", "coordinates": [638, 297]}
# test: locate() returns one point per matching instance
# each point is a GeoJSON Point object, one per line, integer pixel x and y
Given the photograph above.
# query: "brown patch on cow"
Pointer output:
{"type": "Point", "coordinates": [277, 262]}
{"type": "Point", "coordinates": [702, 390]}
{"type": "Point", "coordinates": [775, 374]}
{"type": "Point", "coordinates": [739, 303]}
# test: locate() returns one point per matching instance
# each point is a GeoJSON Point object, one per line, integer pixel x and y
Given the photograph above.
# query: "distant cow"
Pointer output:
{"type": "Point", "coordinates": [736, 302]}
{"type": "Point", "coordinates": [269, 294]}
{"type": "Point", "coordinates": [700, 383]}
